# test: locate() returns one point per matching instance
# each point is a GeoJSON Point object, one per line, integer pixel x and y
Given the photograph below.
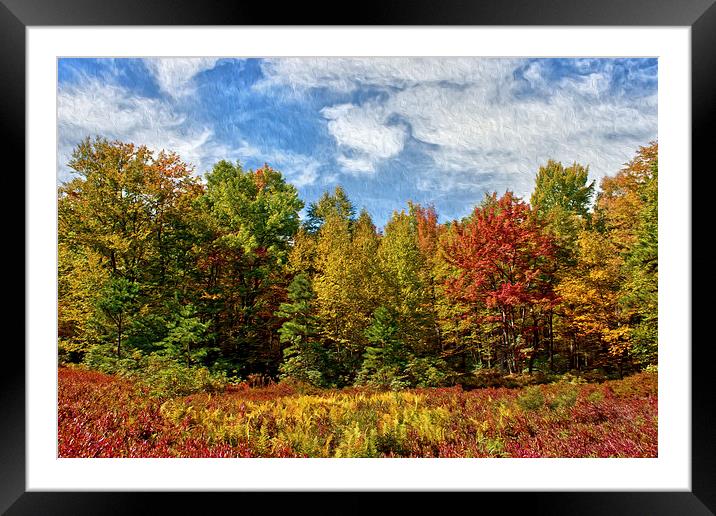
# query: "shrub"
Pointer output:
{"type": "Point", "coordinates": [166, 377]}
{"type": "Point", "coordinates": [572, 378]}
{"type": "Point", "coordinates": [532, 399]}
{"type": "Point", "coordinates": [426, 372]}
{"type": "Point", "coordinates": [595, 376]}
{"type": "Point", "coordinates": [564, 398]}
{"type": "Point", "coordinates": [483, 378]}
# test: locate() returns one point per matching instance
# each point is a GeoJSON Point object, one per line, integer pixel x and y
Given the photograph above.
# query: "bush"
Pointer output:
{"type": "Point", "coordinates": [162, 375]}
{"type": "Point", "coordinates": [482, 378]}
{"type": "Point", "coordinates": [384, 377]}
{"type": "Point", "coordinates": [532, 399]}
{"type": "Point", "coordinates": [564, 398]}
{"type": "Point", "coordinates": [524, 379]}
{"type": "Point", "coordinates": [595, 376]}
{"type": "Point", "coordinates": [69, 352]}
{"type": "Point", "coordinates": [102, 358]}
{"type": "Point", "coordinates": [426, 372]}
{"type": "Point", "coordinates": [572, 378]}
{"type": "Point", "coordinates": [166, 377]}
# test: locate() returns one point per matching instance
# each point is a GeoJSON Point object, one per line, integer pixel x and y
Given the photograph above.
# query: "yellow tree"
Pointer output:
{"type": "Point", "coordinates": [124, 204]}
{"type": "Point", "coordinates": [122, 218]}
{"type": "Point", "coordinates": [594, 325]}
{"type": "Point", "coordinates": [80, 277]}
{"type": "Point", "coordinates": [620, 200]}
{"type": "Point", "coordinates": [608, 291]}
{"type": "Point", "coordinates": [406, 276]}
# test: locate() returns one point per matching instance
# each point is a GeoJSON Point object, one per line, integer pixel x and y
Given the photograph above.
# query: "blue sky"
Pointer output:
{"type": "Point", "coordinates": [441, 131]}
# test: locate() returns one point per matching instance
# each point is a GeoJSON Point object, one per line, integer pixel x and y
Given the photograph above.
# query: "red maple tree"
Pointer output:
{"type": "Point", "coordinates": [503, 261]}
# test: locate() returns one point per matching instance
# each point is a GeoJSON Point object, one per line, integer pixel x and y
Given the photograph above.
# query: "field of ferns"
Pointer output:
{"type": "Point", "coordinates": [106, 416]}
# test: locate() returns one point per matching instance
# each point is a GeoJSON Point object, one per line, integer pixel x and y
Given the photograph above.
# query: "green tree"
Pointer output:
{"type": "Point", "coordinates": [117, 301]}
{"type": "Point", "coordinates": [246, 222]}
{"type": "Point", "coordinates": [407, 279]}
{"type": "Point", "coordinates": [562, 199]}
{"type": "Point", "coordinates": [305, 358]}
{"type": "Point", "coordinates": [385, 360]}
{"type": "Point", "coordinates": [122, 218]}
{"type": "Point", "coordinates": [565, 188]}
{"type": "Point", "coordinates": [329, 204]}
{"type": "Point", "coordinates": [185, 334]}
{"type": "Point", "coordinates": [640, 290]}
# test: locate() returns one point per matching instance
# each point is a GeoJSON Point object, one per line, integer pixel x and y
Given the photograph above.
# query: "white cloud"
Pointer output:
{"type": "Point", "coordinates": [298, 169]}
{"type": "Point", "coordinates": [364, 129]}
{"type": "Point", "coordinates": [467, 112]}
{"type": "Point", "coordinates": [347, 74]}
{"type": "Point", "coordinates": [361, 164]}
{"type": "Point", "coordinates": [174, 75]}
{"type": "Point", "coordinates": [91, 108]}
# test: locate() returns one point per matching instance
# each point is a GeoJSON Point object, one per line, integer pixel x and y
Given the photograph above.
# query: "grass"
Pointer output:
{"type": "Point", "coordinates": [105, 416]}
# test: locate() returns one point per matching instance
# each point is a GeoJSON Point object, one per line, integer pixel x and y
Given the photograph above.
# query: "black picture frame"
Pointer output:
{"type": "Point", "coordinates": [700, 15]}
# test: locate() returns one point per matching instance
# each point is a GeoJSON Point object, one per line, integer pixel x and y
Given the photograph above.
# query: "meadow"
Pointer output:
{"type": "Point", "coordinates": [102, 415]}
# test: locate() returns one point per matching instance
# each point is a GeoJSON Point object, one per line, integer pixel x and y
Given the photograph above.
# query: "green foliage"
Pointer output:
{"type": "Point", "coordinates": [407, 282]}
{"type": "Point", "coordinates": [564, 399]}
{"type": "Point", "coordinates": [640, 291]}
{"type": "Point", "coordinates": [256, 211]}
{"type": "Point", "coordinates": [532, 399]}
{"type": "Point", "coordinates": [389, 364]}
{"type": "Point", "coordinates": [329, 205]}
{"type": "Point", "coordinates": [186, 332]}
{"type": "Point", "coordinates": [165, 377]}
{"type": "Point", "coordinates": [566, 188]}
{"type": "Point", "coordinates": [385, 361]}
{"type": "Point", "coordinates": [426, 371]}
{"type": "Point", "coordinates": [305, 358]}
{"type": "Point", "coordinates": [117, 302]}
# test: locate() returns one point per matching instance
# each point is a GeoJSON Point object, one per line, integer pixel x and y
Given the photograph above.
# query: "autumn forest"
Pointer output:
{"type": "Point", "coordinates": [178, 286]}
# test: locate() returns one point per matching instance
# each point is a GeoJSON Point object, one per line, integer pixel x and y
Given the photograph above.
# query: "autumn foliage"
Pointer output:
{"type": "Point", "coordinates": [504, 260]}
{"type": "Point", "coordinates": [177, 284]}
{"type": "Point", "coordinates": [102, 416]}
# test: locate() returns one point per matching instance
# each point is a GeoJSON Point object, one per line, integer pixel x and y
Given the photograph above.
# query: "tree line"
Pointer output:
{"type": "Point", "coordinates": [222, 274]}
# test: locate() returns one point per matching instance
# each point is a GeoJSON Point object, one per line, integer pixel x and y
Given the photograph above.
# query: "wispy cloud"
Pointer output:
{"type": "Point", "coordinates": [474, 117]}
{"type": "Point", "coordinates": [174, 75]}
{"type": "Point", "coordinates": [433, 130]}
{"type": "Point", "coordinates": [92, 107]}
{"type": "Point", "coordinates": [364, 130]}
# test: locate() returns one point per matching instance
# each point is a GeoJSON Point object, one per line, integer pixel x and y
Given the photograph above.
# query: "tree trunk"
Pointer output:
{"type": "Point", "coordinates": [119, 337]}
{"type": "Point", "coordinates": [535, 347]}
{"type": "Point", "coordinates": [551, 342]}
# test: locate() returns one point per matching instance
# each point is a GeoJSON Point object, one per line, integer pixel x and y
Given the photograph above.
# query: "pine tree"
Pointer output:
{"type": "Point", "coordinates": [305, 359]}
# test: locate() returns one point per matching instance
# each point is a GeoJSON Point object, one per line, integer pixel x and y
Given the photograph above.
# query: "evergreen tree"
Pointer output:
{"type": "Point", "coordinates": [329, 204]}
{"type": "Point", "coordinates": [305, 359]}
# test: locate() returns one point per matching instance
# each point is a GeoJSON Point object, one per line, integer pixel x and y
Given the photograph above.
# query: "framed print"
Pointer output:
{"type": "Point", "coordinates": [351, 270]}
